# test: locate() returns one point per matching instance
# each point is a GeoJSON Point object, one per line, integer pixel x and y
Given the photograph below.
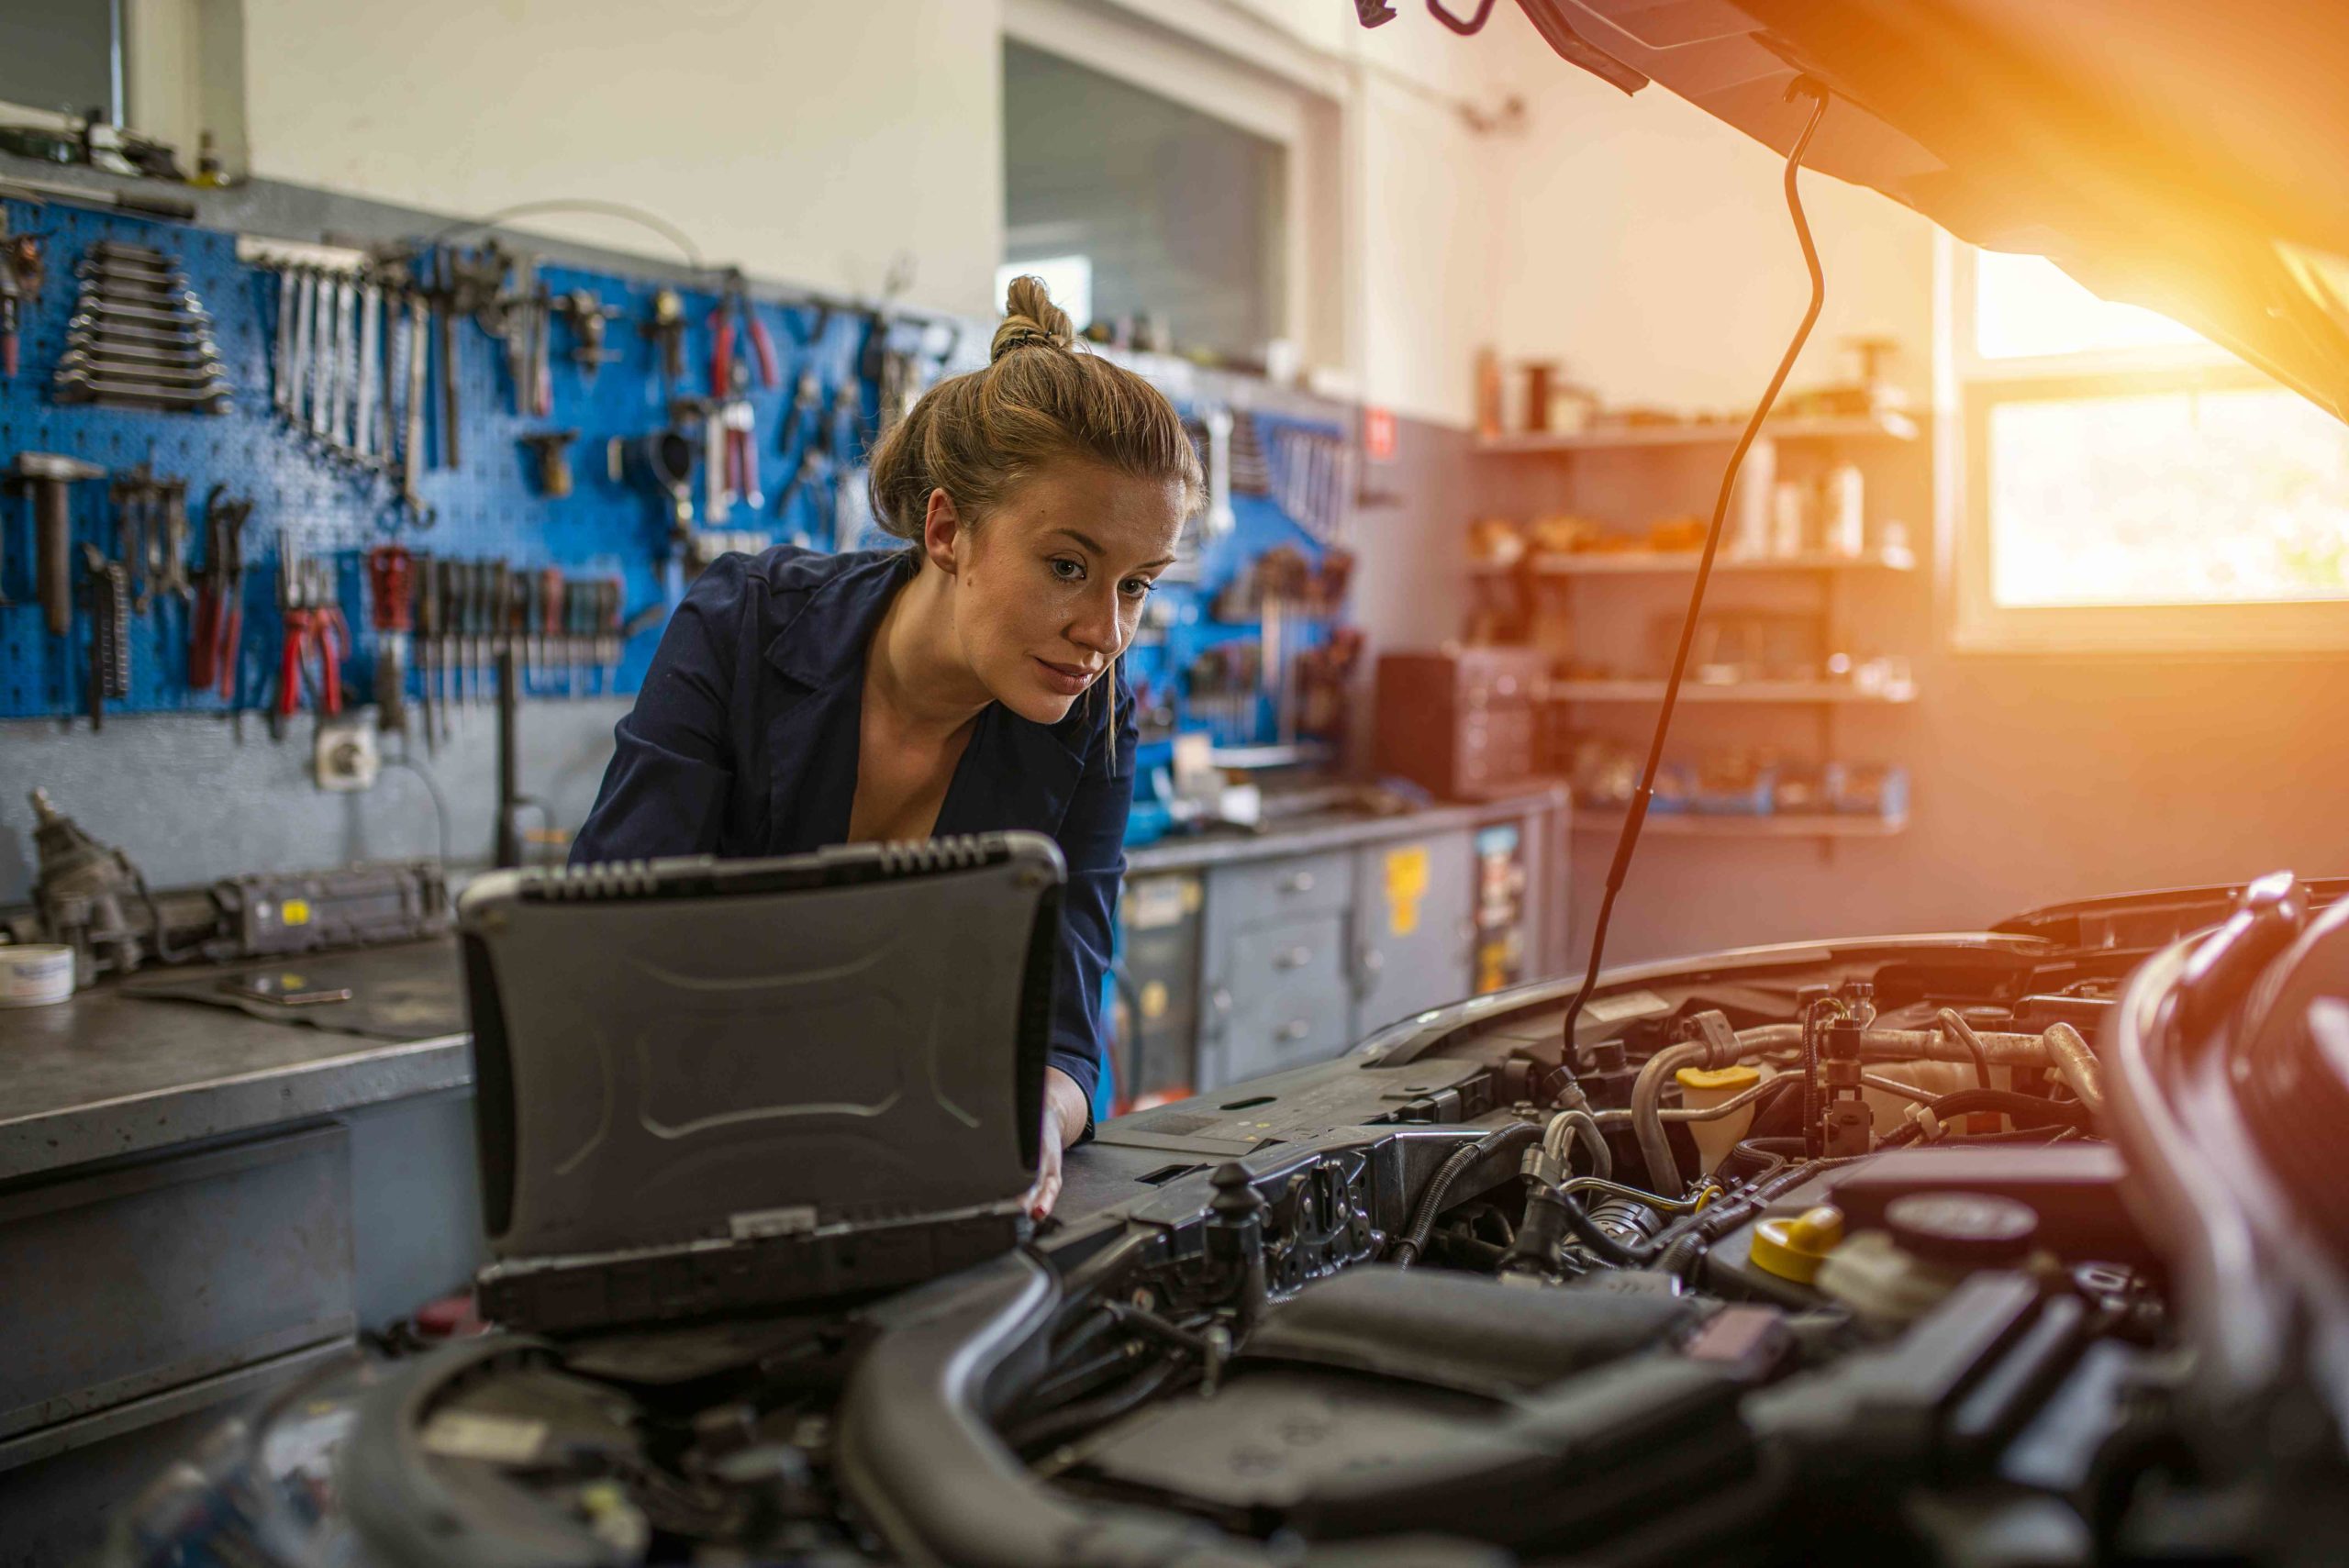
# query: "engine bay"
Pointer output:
{"type": "Point", "coordinates": [1798, 1254]}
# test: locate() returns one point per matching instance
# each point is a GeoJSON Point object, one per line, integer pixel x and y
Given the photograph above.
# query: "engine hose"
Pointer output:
{"type": "Point", "coordinates": [1431, 1204]}
{"type": "Point", "coordinates": [1954, 1024]}
{"type": "Point", "coordinates": [1638, 1255]}
{"type": "Point", "coordinates": [1647, 1095]}
{"type": "Point", "coordinates": [1559, 1141]}
{"type": "Point", "coordinates": [2026, 1109]}
{"type": "Point", "coordinates": [2078, 1063]}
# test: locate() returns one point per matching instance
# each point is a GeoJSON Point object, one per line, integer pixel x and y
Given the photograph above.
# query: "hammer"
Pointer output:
{"type": "Point", "coordinates": [46, 474]}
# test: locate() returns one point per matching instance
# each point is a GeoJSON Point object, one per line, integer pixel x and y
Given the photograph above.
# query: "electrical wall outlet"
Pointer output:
{"type": "Point", "coordinates": [345, 756]}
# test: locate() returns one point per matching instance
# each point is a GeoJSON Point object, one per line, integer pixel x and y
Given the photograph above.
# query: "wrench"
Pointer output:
{"type": "Point", "coordinates": [419, 315]}
{"type": "Point", "coordinates": [322, 370]}
{"type": "Point", "coordinates": [135, 315]}
{"type": "Point", "coordinates": [111, 331]}
{"type": "Point", "coordinates": [281, 364]}
{"type": "Point", "coordinates": [371, 301]}
{"type": "Point", "coordinates": [78, 388]}
{"type": "Point", "coordinates": [139, 370]}
{"type": "Point", "coordinates": [302, 302]}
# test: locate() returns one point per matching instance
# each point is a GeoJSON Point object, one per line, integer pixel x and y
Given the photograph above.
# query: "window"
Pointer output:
{"type": "Point", "coordinates": [64, 55]}
{"type": "Point", "coordinates": [1176, 217]}
{"type": "Point", "coordinates": [2128, 487]}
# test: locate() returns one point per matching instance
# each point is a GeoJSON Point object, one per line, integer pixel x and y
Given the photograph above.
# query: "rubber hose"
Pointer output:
{"type": "Point", "coordinates": [1594, 1138]}
{"type": "Point", "coordinates": [2024, 1108]}
{"type": "Point", "coordinates": [2078, 1063]}
{"type": "Point", "coordinates": [1415, 1234]}
{"type": "Point", "coordinates": [1647, 1093]}
{"type": "Point", "coordinates": [1954, 1024]}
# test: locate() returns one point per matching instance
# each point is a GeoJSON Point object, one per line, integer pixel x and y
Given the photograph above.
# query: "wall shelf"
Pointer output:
{"type": "Point", "coordinates": [1888, 426]}
{"type": "Point", "coordinates": [1690, 825]}
{"type": "Point", "coordinates": [1739, 692]}
{"type": "Point", "coordinates": [1649, 563]}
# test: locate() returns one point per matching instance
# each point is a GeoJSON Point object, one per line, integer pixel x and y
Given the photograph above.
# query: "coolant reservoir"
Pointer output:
{"type": "Point", "coordinates": [1704, 1087]}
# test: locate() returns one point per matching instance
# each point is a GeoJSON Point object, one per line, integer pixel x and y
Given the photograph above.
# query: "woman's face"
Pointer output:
{"type": "Point", "coordinates": [1050, 587]}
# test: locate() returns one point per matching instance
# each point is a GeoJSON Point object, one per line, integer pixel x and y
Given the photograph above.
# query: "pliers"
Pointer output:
{"type": "Point", "coordinates": [220, 599]}
{"type": "Point", "coordinates": [729, 383]}
{"type": "Point", "coordinates": [313, 618]}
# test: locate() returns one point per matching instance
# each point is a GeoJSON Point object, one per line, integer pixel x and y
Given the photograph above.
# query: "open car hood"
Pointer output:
{"type": "Point", "coordinates": [2170, 153]}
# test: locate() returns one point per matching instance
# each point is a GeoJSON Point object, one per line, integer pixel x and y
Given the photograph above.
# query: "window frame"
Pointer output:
{"type": "Point", "coordinates": [1278, 95]}
{"type": "Point", "coordinates": [1974, 386]}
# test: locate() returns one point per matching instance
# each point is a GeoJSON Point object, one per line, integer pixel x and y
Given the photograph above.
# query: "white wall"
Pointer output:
{"type": "Point", "coordinates": [1650, 250]}
{"type": "Point", "coordinates": [807, 140]}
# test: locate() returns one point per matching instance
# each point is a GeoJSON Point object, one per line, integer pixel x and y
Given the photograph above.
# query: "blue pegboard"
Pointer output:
{"type": "Point", "coordinates": [488, 507]}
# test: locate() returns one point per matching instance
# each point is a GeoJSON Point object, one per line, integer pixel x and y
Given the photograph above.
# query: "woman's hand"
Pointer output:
{"type": "Point", "coordinates": [1065, 1113]}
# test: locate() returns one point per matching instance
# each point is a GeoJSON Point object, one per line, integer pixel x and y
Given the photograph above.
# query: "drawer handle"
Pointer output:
{"type": "Point", "coordinates": [1298, 882]}
{"type": "Point", "coordinates": [1295, 958]}
{"type": "Point", "coordinates": [1295, 1029]}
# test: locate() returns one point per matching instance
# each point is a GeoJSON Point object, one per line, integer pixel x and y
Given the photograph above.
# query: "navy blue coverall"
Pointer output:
{"type": "Point", "coordinates": [743, 742]}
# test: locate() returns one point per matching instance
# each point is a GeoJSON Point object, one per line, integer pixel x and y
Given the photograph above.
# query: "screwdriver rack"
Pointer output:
{"type": "Point", "coordinates": [492, 506]}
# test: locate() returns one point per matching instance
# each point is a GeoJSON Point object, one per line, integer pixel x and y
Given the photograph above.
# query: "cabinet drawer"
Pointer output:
{"type": "Point", "coordinates": [1290, 999]}
{"type": "Point", "coordinates": [1276, 890]}
{"type": "Point", "coordinates": [123, 1285]}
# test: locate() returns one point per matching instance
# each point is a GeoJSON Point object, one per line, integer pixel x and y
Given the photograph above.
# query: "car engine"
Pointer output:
{"type": "Point", "coordinates": [1844, 1251]}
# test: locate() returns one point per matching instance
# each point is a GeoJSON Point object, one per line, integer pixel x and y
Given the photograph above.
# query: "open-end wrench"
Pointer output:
{"type": "Point", "coordinates": [322, 364]}
{"type": "Point", "coordinates": [82, 362]}
{"type": "Point", "coordinates": [143, 315]}
{"type": "Point", "coordinates": [141, 296]}
{"type": "Point", "coordinates": [419, 315]}
{"type": "Point", "coordinates": [346, 359]}
{"type": "Point", "coordinates": [76, 388]}
{"type": "Point", "coordinates": [138, 354]}
{"type": "Point", "coordinates": [94, 328]}
{"type": "Point", "coordinates": [281, 364]}
{"type": "Point", "coordinates": [301, 296]}
{"type": "Point", "coordinates": [363, 423]}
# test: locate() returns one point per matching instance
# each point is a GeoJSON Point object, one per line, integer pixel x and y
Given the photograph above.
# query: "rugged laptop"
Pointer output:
{"type": "Point", "coordinates": [710, 1085]}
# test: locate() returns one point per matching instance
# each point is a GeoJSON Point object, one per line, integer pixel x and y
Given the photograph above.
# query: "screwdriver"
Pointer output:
{"type": "Point", "coordinates": [427, 636]}
{"type": "Point", "coordinates": [548, 620]}
{"type": "Point", "coordinates": [457, 599]}
{"type": "Point", "coordinates": [388, 566]}
{"type": "Point", "coordinates": [610, 628]}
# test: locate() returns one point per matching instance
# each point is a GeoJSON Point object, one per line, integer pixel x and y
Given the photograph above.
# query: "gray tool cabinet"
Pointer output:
{"type": "Point", "coordinates": [1246, 956]}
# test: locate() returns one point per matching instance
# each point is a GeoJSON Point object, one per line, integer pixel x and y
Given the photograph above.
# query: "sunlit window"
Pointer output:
{"type": "Point", "coordinates": [2026, 305]}
{"type": "Point", "coordinates": [1068, 279]}
{"type": "Point", "coordinates": [2191, 497]}
{"type": "Point", "coordinates": [2130, 485]}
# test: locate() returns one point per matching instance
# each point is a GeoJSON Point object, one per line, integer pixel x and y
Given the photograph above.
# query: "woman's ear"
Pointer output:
{"type": "Point", "coordinates": [941, 531]}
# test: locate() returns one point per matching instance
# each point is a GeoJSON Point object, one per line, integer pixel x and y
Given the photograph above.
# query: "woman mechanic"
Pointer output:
{"type": "Point", "coordinates": [968, 684]}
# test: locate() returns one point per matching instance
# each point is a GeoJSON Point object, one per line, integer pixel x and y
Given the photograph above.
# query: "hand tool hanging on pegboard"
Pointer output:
{"type": "Point", "coordinates": [729, 383]}
{"type": "Point", "coordinates": [109, 676]}
{"type": "Point", "coordinates": [21, 272]}
{"type": "Point", "coordinates": [666, 330]}
{"type": "Point", "coordinates": [519, 315]}
{"type": "Point", "coordinates": [314, 623]}
{"type": "Point", "coordinates": [47, 477]}
{"type": "Point", "coordinates": [139, 337]}
{"type": "Point", "coordinates": [215, 641]}
{"type": "Point", "coordinates": [425, 617]}
{"type": "Point", "coordinates": [589, 316]}
{"type": "Point", "coordinates": [389, 569]}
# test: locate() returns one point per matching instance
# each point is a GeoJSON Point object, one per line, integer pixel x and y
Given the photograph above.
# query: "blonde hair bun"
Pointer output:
{"type": "Point", "coordinates": [1029, 317]}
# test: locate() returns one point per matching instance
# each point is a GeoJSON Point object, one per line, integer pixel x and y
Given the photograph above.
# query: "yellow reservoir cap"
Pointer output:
{"type": "Point", "coordinates": [1792, 1246]}
{"type": "Point", "coordinates": [1736, 1080]}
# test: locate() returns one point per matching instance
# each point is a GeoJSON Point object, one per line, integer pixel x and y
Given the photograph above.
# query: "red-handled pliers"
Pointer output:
{"type": "Point", "coordinates": [735, 302]}
{"type": "Point", "coordinates": [312, 618]}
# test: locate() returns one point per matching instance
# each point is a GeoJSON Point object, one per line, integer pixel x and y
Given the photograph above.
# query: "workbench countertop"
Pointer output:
{"type": "Point", "coordinates": [108, 1075]}
{"type": "Point", "coordinates": [1333, 830]}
